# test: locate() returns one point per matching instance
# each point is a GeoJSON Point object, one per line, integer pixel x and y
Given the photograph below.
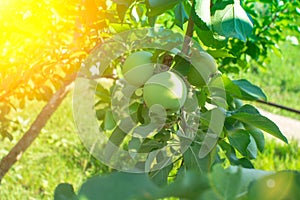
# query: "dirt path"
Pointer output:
{"type": "Point", "coordinates": [288, 126]}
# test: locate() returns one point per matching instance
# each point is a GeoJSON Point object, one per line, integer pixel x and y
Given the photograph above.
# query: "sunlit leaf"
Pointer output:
{"type": "Point", "coordinates": [259, 121]}
{"type": "Point", "coordinates": [232, 21]}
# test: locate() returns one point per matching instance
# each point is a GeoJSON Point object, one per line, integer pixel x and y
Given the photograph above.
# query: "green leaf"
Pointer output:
{"type": "Point", "coordinates": [64, 191]}
{"type": "Point", "coordinates": [260, 122]}
{"type": "Point", "coordinates": [157, 7]}
{"type": "Point", "coordinates": [259, 138]}
{"type": "Point", "coordinates": [202, 97]}
{"type": "Point", "coordinates": [231, 155]}
{"type": "Point", "coordinates": [232, 21]}
{"type": "Point", "coordinates": [180, 15]}
{"type": "Point", "coordinates": [182, 65]}
{"type": "Point", "coordinates": [208, 37]}
{"type": "Point", "coordinates": [192, 161]}
{"type": "Point", "coordinates": [240, 140]}
{"type": "Point", "coordinates": [202, 10]}
{"type": "Point", "coordinates": [152, 20]}
{"type": "Point", "coordinates": [220, 53]}
{"type": "Point", "coordinates": [188, 186]}
{"type": "Point", "coordinates": [244, 162]}
{"type": "Point", "coordinates": [253, 50]}
{"type": "Point", "coordinates": [117, 27]}
{"type": "Point", "coordinates": [149, 145]}
{"type": "Point", "coordinates": [252, 148]}
{"type": "Point", "coordinates": [231, 88]}
{"type": "Point", "coordinates": [109, 122]}
{"type": "Point", "coordinates": [249, 91]}
{"type": "Point", "coordinates": [118, 186]}
{"type": "Point", "coordinates": [122, 7]}
{"type": "Point", "coordinates": [160, 177]}
{"type": "Point", "coordinates": [226, 182]}
{"type": "Point", "coordinates": [103, 94]}
{"type": "Point", "coordinates": [234, 181]}
{"type": "Point", "coordinates": [248, 109]}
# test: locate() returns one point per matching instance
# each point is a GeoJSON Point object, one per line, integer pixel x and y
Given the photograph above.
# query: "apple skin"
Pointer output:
{"type": "Point", "coordinates": [203, 65]}
{"type": "Point", "coordinates": [166, 89]}
{"type": "Point", "coordinates": [138, 68]}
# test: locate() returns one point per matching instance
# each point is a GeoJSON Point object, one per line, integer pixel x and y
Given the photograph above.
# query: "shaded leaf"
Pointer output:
{"type": "Point", "coordinates": [250, 91]}
{"type": "Point", "coordinates": [152, 20]}
{"type": "Point", "coordinates": [231, 155]}
{"type": "Point", "coordinates": [64, 191]}
{"type": "Point", "coordinates": [231, 88]}
{"type": "Point", "coordinates": [233, 182]}
{"type": "Point", "coordinates": [248, 109]}
{"type": "Point", "coordinates": [157, 7]}
{"type": "Point", "coordinates": [260, 122]}
{"type": "Point", "coordinates": [226, 182]}
{"type": "Point", "coordinates": [182, 65]}
{"type": "Point", "coordinates": [160, 177]}
{"type": "Point", "coordinates": [180, 15]}
{"type": "Point", "coordinates": [240, 140]}
{"type": "Point", "coordinates": [207, 36]}
{"type": "Point", "coordinates": [118, 186]}
{"type": "Point", "coordinates": [259, 138]}
{"type": "Point", "coordinates": [122, 9]}
{"type": "Point", "coordinates": [109, 122]}
{"type": "Point", "coordinates": [252, 148]}
{"type": "Point", "coordinates": [188, 186]}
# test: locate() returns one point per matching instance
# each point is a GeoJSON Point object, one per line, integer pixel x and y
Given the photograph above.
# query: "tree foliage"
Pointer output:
{"type": "Point", "coordinates": [45, 42]}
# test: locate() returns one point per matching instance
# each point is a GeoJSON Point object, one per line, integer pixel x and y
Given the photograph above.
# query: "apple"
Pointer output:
{"type": "Point", "coordinates": [138, 68]}
{"type": "Point", "coordinates": [166, 89]}
{"type": "Point", "coordinates": [203, 65]}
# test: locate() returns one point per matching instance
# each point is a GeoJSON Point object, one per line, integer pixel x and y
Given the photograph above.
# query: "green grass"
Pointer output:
{"type": "Point", "coordinates": [279, 156]}
{"type": "Point", "coordinates": [56, 156]}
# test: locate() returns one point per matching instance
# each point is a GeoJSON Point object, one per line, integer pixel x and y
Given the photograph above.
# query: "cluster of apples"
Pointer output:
{"type": "Point", "coordinates": [167, 88]}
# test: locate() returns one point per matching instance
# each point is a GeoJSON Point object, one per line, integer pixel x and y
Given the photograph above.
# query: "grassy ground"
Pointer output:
{"type": "Point", "coordinates": [56, 156]}
{"type": "Point", "coordinates": [279, 156]}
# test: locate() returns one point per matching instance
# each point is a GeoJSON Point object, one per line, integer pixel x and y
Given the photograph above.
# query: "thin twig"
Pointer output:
{"type": "Point", "coordinates": [279, 106]}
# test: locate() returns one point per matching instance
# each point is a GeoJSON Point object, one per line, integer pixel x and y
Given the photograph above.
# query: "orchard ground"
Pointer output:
{"type": "Point", "coordinates": [59, 156]}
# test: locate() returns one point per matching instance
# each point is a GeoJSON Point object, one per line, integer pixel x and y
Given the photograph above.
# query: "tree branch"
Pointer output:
{"type": "Point", "coordinates": [16, 152]}
{"type": "Point", "coordinates": [188, 34]}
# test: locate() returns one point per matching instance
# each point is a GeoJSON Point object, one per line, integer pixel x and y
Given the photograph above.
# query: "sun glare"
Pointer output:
{"type": "Point", "coordinates": [28, 27]}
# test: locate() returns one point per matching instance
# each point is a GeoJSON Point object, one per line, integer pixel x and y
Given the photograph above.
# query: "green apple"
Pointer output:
{"type": "Point", "coordinates": [203, 65]}
{"type": "Point", "coordinates": [166, 89]}
{"type": "Point", "coordinates": [138, 68]}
